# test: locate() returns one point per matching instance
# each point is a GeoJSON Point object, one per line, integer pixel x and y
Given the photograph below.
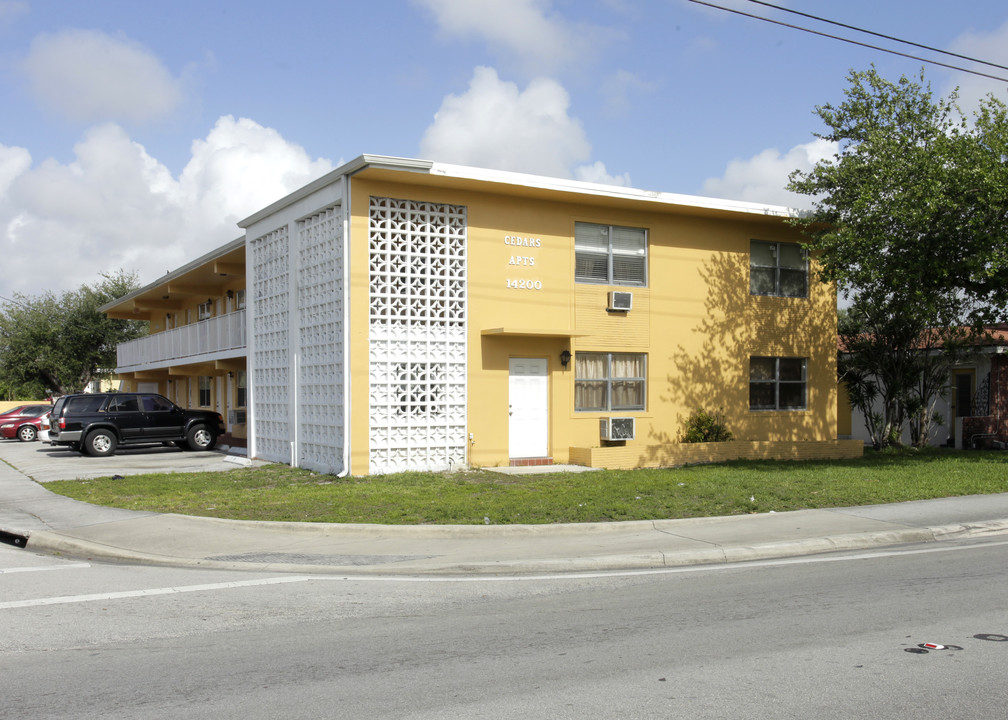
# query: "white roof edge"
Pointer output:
{"type": "Point", "coordinates": [614, 191]}
{"type": "Point", "coordinates": [348, 168]}
{"type": "Point", "coordinates": [515, 178]}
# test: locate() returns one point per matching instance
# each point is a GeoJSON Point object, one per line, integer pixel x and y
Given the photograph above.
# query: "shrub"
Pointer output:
{"type": "Point", "coordinates": [702, 426]}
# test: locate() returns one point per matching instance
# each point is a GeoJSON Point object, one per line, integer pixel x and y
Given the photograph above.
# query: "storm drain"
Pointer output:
{"type": "Point", "coordinates": [305, 559]}
{"type": "Point", "coordinates": [14, 539]}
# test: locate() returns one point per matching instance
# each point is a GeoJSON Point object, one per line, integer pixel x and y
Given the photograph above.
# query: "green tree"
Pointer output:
{"type": "Point", "coordinates": [895, 371]}
{"type": "Point", "coordinates": [910, 220]}
{"type": "Point", "coordinates": [59, 343]}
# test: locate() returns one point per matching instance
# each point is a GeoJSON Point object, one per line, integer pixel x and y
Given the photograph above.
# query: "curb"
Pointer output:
{"type": "Point", "coordinates": [59, 544]}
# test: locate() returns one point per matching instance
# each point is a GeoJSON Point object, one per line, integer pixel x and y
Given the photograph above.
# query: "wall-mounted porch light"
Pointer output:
{"type": "Point", "coordinates": [565, 357]}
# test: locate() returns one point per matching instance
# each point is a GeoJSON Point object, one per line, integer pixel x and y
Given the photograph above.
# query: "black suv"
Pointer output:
{"type": "Point", "coordinates": [98, 423]}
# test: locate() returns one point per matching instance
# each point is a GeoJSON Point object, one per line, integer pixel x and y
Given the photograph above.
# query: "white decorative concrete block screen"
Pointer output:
{"type": "Point", "coordinates": [320, 391]}
{"type": "Point", "coordinates": [417, 256]}
{"type": "Point", "coordinates": [268, 255]}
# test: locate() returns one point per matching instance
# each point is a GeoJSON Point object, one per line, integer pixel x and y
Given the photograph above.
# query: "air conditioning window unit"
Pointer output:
{"type": "Point", "coordinates": [620, 301]}
{"type": "Point", "coordinates": [617, 428]}
{"type": "Point", "coordinates": [236, 417]}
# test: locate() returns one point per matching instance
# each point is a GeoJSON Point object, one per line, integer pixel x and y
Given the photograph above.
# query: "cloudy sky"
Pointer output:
{"type": "Point", "coordinates": [134, 135]}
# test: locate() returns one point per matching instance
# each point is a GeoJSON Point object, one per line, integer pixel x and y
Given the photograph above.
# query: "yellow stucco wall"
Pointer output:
{"type": "Point", "coordinates": [696, 320]}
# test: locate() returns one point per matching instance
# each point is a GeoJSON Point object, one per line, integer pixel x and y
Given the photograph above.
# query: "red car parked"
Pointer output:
{"type": "Point", "coordinates": [23, 422]}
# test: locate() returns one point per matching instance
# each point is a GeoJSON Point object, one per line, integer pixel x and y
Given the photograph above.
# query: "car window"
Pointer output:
{"type": "Point", "coordinates": [36, 410]}
{"type": "Point", "coordinates": [83, 404]}
{"type": "Point", "coordinates": [156, 403]}
{"type": "Point", "coordinates": [126, 403]}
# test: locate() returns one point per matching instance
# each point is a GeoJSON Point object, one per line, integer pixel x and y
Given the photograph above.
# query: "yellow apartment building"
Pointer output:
{"type": "Point", "coordinates": [405, 314]}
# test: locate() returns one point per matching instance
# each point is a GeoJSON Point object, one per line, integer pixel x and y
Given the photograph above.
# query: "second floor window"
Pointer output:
{"type": "Point", "coordinates": [779, 269]}
{"type": "Point", "coordinates": [205, 310]}
{"type": "Point", "coordinates": [610, 254]}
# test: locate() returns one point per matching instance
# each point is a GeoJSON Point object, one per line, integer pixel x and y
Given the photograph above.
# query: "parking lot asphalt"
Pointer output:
{"type": "Point", "coordinates": [44, 463]}
{"type": "Point", "coordinates": [33, 517]}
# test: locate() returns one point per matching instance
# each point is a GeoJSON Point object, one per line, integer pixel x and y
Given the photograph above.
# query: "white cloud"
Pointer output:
{"type": "Point", "coordinates": [241, 167]}
{"type": "Point", "coordinates": [13, 162]}
{"type": "Point", "coordinates": [496, 125]}
{"type": "Point", "coordinates": [763, 177]}
{"type": "Point", "coordinates": [526, 30]}
{"type": "Point", "coordinates": [597, 173]}
{"type": "Point", "coordinates": [617, 88]}
{"type": "Point", "coordinates": [89, 76]}
{"type": "Point", "coordinates": [993, 47]}
{"type": "Point", "coordinates": [115, 206]}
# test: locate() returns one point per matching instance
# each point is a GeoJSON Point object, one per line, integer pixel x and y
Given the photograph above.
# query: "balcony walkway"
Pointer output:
{"type": "Point", "coordinates": [216, 338]}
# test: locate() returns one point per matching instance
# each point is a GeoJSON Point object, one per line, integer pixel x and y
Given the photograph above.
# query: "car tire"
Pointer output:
{"type": "Point", "coordinates": [27, 433]}
{"type": "Point", "coordinates": [200, 437]}
{"type": "Point", "coordinates": [100, 443]}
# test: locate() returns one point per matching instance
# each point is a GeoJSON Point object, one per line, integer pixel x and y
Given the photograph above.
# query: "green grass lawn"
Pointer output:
{"type": "Point", "coordinates": [278, 492]}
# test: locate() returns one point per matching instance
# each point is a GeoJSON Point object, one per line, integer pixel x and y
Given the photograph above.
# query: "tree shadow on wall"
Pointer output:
{"type": "Point", "coordinates": [709, 368]}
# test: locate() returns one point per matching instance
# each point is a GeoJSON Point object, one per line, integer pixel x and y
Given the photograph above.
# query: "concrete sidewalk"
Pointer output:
{"type": "Point", "coordinates": [58, 525]}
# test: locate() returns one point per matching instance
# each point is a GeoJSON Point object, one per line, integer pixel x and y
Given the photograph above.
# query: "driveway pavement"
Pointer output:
{"type": "Point", "coordinates": [45, 522]}
{"type": "Point", "coordinates": [44, 463]}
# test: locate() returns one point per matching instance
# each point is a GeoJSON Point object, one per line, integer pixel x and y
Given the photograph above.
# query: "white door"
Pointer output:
{"type": "Point", "coordinates": [528, 400]}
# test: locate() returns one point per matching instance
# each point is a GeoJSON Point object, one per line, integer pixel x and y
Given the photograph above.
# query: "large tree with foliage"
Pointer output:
{"type": "Point", "coordinates": [59, 343]}
{"type": "Point", "coordinates": [910, 220]}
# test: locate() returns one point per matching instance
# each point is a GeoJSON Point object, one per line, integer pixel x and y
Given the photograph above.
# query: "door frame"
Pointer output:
{"type": "Point", "coordinates": [545, 407]}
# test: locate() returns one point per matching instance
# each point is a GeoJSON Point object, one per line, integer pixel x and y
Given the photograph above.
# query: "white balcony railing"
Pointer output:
{"type": "Point", "coordinates": [217, 337]}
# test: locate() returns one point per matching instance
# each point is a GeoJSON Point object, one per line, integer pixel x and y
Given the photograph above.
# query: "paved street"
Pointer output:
{"type": "Point", "coordinates": [826, 614]}
{"type": "Point", "coordinates": [816, 637]}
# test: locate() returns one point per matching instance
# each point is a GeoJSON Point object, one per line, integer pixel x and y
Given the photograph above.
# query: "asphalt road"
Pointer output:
{"type": "Point", "coordinates": [833, 636]}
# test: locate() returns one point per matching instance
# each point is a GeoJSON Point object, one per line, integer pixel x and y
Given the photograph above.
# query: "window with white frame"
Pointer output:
{"type": "Point", "coordinates": [607, 382]}
{"type": "Point", "coordinates": [239, 299]}
{"type": "Point", "coordinates": [205, 385]}
{"type": "Point", "coordinates": [610, 254]}
{"type": "Point", "coordinates": [778, 383]}
{"type": "Point", "coordinates": [205, 310]}
{"type": "Point", "coordinates": [779, 269]}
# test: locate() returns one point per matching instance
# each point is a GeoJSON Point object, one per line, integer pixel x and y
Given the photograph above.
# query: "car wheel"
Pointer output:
{"type": "Point", "coordinates": [100, 443]}
{"type": "Point", "coordinates": [201, 437]}
{"type": "Point", "coordinates": [27, 433]}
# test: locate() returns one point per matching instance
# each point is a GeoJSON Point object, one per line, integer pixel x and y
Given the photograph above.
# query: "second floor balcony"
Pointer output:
{"type": "Point", "coordinates": [216, 338]}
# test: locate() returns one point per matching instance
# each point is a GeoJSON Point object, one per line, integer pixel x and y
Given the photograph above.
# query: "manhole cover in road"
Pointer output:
{"type": "Point", "coordinates": [305, 559]}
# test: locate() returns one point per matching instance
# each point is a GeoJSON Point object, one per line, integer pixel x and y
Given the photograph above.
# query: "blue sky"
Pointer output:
{"type": "Point", "coordinates": [134, 135]}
